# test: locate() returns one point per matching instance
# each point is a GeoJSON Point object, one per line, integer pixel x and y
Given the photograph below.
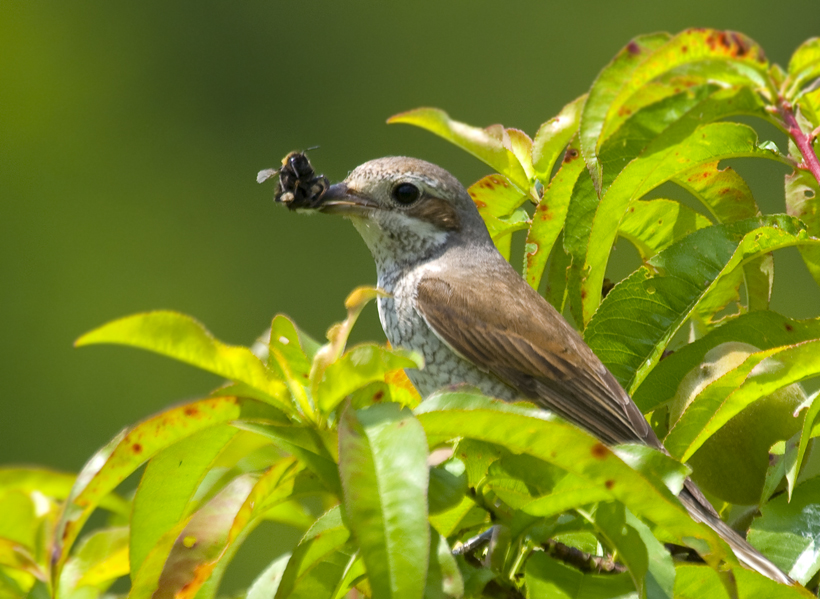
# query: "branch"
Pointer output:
{"type": "Point", "coordinates": [802, 140]}
{"type": "Point", "coordinates": [581, 560]}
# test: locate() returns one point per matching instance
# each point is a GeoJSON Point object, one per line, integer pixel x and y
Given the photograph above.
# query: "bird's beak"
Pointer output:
{"type": "Point", "coordinates": [340, 199]}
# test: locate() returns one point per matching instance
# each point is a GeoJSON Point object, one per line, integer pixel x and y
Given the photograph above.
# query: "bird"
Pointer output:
{"type": "Point", "coordinates": [452, 297]}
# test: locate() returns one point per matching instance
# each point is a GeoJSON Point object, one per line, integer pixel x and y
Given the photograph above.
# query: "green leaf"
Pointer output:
{"type": "Point", "coordinates": [165, 491]}
{"type": "Point", "coordinates": [763, 329]}
{"type": "Point", "coordinates": [794, 460]}
{"type": "Point", "coordinates": [18, 557]}
{"type": "Point", "coordinates": [496, 195]}
{"type": "Point", "coordinates": [307, 445]}
{"type": "Point", "coordinates": [100, 559]}
{"type": "Point", "coordinates": [501, 229]}
{"type": "Point", "coordinates": [133, 447]}
{"type": "Point", "coordinates": [267, 583]}
{"type": "Point", "coordinates": [735, 50]}
{"type": "Point", "coordinates": [553, 136]}
{"type": "Point", "coordinates": [358, 367]}
{"type": "Point", "coordinates": [640, 315]}
{"type": "Point", "coordinates": [549, 217]}
{"type": "Point", "coordinates": [788, 532]}
{"type": "Point", "coordinates": [610, 520]}
{"type": "Point", "coordinates": [726, 397]}
{"type": "Point", "coordinates": [605, 89]}
{"type": "Point", "coordinates": [546, 577]}
{"type": "Point", "coordinates": [803, 67]}
{"type": "Point", "coordinates": [803, 202]}
{"type": "Point", "coordinates": [492, 146]}
{"type": "Point", "coordinates": [543, 436]}
{"type": "Point", "coordinates": [653, 225]}
{"type": "Point", "coordinates": [52, 483]}
{"type": "Point", "coordinates": [708, 143]}
{"type": "Point", "coordinates": [183, 338]}
{"type": "Point", "coordinates": [319, 560]}
{"type": "Point", "coordinates": [443, 577]}
{"type": "Point", "coordinates": [383, 466]}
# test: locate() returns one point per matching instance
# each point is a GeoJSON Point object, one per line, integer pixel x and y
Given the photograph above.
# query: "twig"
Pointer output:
{"type": "Point", "coordinates": [585, 562]}
{"type": "Point", "coordinates": [801, 139]}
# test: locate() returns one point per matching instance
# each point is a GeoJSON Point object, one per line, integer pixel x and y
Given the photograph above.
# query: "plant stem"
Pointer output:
{"type": "Point", "coordinates": [801, 139]}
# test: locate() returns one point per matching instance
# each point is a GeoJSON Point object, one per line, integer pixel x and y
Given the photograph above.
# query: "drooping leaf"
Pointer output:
{"type": "Point", "coordinates": [706, 144]}
{"type": "Point", "coordinates": [788, 532]}
{"type": "Point", "coordinates": [641, 314]}
{"type": "Point", "coordinates": [133, 447]}
{"type": "Point", "coordinates": [763, 329]}
{"type": "Point", "coordinates": [553, 136]}
{"type": "Point", "coordinates": [492, 145]}
{"type": "Point", "coordinates": [183, 338]}
{"type": "Point", "coordinates": [383, 465]}
{"type": "Point", "coordinates": [527, 430]}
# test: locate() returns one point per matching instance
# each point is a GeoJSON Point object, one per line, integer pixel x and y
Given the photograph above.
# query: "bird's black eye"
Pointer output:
{"type": "Point", "coordinates": [406, 193]}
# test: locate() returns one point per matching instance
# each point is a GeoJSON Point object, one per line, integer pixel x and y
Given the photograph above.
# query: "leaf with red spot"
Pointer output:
{"type": "Point", "coordinates": [495, 195]}
{"type": "Point", "coordinates": [133, 447]}
{"type": "Point", "coordinates": [553, 136]}
{"type": "Point", "coordinates": [492, 145]}
{"type": "Point", "coordinates": [653, 225]}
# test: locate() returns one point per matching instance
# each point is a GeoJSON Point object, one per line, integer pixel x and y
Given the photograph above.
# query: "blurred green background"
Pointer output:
{"type": "Point", "coordinates": [131, 134]}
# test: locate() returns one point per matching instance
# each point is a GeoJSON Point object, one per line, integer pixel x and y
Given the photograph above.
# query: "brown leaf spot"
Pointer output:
{"type": "Point", "coordinates": [633, 47]}
{"type": "Point", "coordinates": [684, 49]}
{"type": "Point", "coordinates": [137, 448]}
{"type": "Point", "coordinates": [599, 451]}
{"type": "Point", "coordinates": [583, 293]}
{"type": "Point", "coordinates": [378, 395]}
{"type": "Point", "coordinates": [789, 327]}
{"type": "Point", "coordinates": [479, 204]}
{"type": "Point", "coordinates": [191, 411]}
{"type": "Point", "coordinates": [610, 483]}
{"type": "Point", "coordinates": [624, 111]}
{"type": "Point", "coordinates": [571, 155]}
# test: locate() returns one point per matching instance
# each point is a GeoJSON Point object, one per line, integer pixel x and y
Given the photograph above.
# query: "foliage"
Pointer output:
{"type": "Point", "coordinates": [335, 441]}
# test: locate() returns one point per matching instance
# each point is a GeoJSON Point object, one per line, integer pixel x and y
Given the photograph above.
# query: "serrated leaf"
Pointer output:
{"type": "Point", "coordinates": [267, 583]}
{"type": "Point", "coordinates": [490, 145]}
{"type": "Point", "coordinates": [736, 389]}
{"type": "Point", "coordinates": [383, 466]}
{"type": "Point", "coordinates": [550, 215]}
{"type": "Point", "coordinates": [788, 532]}
{"type": "Point", "coordinates": [543, 436]}
{"type": "Point", "coordinates": [642, 313]}
{"type": "Point", "coordinates": [358, 367]}
{"type": "Point", "coordinates": [792, 463]}
{"type": "Point", "coordinates": [710, 142]}
{"type": "Point", "coordinates": [762, 329]}
{"type": "Point", "coordinates": [553, 136]}
{"type": "Point", "coordinates": [183, 338]}
{"type": "Point", "coordinates": [133, 447]}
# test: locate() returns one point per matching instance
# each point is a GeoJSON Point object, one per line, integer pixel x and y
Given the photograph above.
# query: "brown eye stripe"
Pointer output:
{"type": "Point", "coordinates": [437, 212]}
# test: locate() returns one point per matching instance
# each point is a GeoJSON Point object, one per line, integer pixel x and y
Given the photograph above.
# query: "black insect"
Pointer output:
{"type": "Point", "coordinates": [299, 186]}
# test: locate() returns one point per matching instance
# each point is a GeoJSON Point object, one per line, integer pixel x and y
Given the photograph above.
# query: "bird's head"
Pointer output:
{"type": "Point", "coordinates": [405, 208]}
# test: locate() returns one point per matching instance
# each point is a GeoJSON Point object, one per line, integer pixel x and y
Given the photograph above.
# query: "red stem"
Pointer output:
{"type": "Point", "coordinates": [803, 140]}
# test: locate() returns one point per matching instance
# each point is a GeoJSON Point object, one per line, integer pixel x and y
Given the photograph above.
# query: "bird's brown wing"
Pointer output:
{"type": "Point", "coordinates": [506, 328]}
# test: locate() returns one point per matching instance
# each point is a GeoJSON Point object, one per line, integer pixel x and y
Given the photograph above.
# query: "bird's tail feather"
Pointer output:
{"type": "Point", "coordinates": [702, 511]}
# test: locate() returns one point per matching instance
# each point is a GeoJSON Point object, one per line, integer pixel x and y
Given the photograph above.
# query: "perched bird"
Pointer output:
{"type": "Point", "coordinates": [457, 301]}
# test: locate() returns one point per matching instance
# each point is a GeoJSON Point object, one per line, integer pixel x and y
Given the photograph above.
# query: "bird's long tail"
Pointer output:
{"type": "Point", "coordinates": [702, 511]}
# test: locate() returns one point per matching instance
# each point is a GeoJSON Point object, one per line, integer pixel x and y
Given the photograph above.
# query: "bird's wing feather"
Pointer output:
{"type": "Point", "coordinates": [505, 328]}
